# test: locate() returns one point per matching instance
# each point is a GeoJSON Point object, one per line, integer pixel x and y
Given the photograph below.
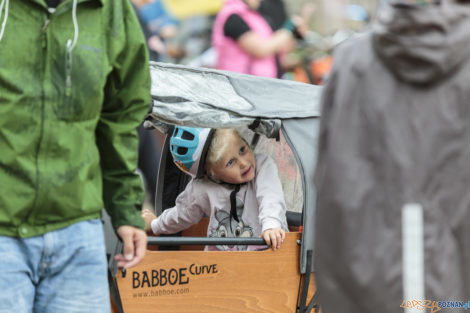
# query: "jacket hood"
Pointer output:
{"type": "Point", "coordinates": [422, 44]}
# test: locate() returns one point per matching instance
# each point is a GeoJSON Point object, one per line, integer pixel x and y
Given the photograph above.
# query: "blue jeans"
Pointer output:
{"type": "Point", "coordinates": [59, 272]}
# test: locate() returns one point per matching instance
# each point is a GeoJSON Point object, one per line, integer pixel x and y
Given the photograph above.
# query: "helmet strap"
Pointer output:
{"type": "Point", "coordinates": [233, 203]}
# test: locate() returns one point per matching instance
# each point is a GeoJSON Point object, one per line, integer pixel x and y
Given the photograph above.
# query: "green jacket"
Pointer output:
{"type": "Point", "coordinates": [68, 140]}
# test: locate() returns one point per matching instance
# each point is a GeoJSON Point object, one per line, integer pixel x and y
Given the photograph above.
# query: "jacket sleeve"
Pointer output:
{"type": "Point", "coordinates": [188, 210]}
{"type": "Point", "coordinates": [127, 100]}
{"type": "Point", "coordinates": [270, 196]}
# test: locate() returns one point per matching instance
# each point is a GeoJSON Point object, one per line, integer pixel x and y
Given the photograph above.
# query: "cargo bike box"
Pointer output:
{"type": "Point", "coordinates": [276, 117]}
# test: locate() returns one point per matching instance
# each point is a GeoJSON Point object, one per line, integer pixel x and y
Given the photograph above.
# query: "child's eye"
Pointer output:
{"type": "Point", "coordinates": [242, 149]}
{"type": "Point", "coordinates": [229, 163]}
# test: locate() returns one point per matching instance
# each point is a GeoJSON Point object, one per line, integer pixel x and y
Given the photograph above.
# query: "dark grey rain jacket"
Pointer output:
{"type": "Point", "coordinates": [393, 174]}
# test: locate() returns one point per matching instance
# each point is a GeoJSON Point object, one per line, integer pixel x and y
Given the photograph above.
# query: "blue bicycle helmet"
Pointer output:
{"type": "Point", "coordinates": [188, 146]}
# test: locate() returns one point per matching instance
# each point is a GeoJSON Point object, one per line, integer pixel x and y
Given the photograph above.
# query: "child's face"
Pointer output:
{"type": "Point", "coordinates": [237, 164]}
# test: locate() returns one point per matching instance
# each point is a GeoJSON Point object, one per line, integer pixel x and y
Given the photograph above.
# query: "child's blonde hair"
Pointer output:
{"type": "Point", "coordinates": [219, 145]}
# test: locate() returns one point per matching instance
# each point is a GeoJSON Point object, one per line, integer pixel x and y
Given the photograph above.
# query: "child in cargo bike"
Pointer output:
{"type": "Point", "coordinates": [240, 192]}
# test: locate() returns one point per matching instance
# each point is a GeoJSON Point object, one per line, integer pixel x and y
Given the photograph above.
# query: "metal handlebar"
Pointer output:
{"type": "Point", "coordinates": [176, 241]}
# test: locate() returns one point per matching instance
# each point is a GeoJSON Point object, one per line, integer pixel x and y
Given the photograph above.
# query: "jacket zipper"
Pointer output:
{"type": "Point", "coordinates": [44, 29]}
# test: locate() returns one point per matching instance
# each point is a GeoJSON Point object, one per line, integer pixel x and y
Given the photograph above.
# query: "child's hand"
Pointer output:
{"type": "Point", "coordinates": [274, 237]}
{"type": "Point", "coordinates": [148, 217]}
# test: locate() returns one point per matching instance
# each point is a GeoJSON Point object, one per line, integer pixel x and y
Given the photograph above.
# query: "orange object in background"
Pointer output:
{"type": "Point", "coordinates": [318, 70]}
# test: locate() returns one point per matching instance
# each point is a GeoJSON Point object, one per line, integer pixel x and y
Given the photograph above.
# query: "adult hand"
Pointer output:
{"type": "Point", "coordinates": [134, 242]}
{"type": "Point", "coordinates": [274, 237]}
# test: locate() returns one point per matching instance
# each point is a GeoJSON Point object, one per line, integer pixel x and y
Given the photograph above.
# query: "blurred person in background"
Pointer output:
{"type": "Point", "coordinates": [151, 140]}
{"type": "Point", "coordinates": [159, 26]}
{"type": "Point", "coordinates": [244, 41]}
{"type": "Point", "coordinates": [392, 176]}
{"type": "Point", "coordinates": [275, 13]}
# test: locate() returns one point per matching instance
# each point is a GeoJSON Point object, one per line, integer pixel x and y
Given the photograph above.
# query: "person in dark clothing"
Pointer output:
{"type": "Point", "coordinates": [274, 12]}
{"type": "Point", "coordinates": [392, 176]}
